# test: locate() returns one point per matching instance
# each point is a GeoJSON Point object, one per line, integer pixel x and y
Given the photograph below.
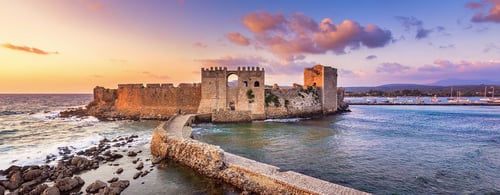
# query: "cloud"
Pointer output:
{"type": "Point", "coordinates": [155, 76]}
{"type": "Point", "coordinates": [370, 57]}
{"type": "Point", "coordinates": [491, 47]}
{"type": "Point", "coordinates": [27, 49]}
{"type": "Point", "coordinates": [412, 23]}
{"type": "Point", "coordinates": [481, 12]}
{"type": "Point", "coordinates": [446, 46]}
{"type": "Point", "coordinates": [291, 37]}
{"type": "Point", "coordinates": [237, 38]}
{"type": "Point", "coordinates": [261, 21]}
{"type": "Point", "coordinates": [272, 67]}
{"type": "Point", "coordinates": [391, 68]}
{"type": "Point", "coordinates": [92, 4]}
{"type": "Point", "coordinates": [200, 45]}
{"type": "Point", "coordinates": [440, 69]}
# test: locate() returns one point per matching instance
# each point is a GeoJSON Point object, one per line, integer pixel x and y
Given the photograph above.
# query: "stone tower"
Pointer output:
{"type": "Point", "coordinates": [325, 78]}
{"type": "Point", "coordinates": [247, 96]}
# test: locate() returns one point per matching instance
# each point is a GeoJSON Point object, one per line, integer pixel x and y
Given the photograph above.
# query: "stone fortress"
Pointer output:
{"type": "Point", "coordinates": [248, 100]}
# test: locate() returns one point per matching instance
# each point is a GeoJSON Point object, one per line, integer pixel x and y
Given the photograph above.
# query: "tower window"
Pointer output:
{"type": "Point", "coordinates": [245, 83]}
{"type": "Point", "coordinates": [256, 84]}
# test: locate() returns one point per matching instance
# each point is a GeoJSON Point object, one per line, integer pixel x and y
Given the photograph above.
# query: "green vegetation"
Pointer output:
{"type": "Point", "coordinates": [308, 91]}
{"type": "Point", "coordinates": [270, 97]}
{"type": "Point", "coordinates": [250, 96]}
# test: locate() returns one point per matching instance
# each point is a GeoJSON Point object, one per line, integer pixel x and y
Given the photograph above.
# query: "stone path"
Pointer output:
{"type": "Point", "coordinates": [177, 127]}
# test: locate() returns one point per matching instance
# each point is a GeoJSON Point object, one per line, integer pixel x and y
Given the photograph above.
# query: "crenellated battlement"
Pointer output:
{"type": "Point", "coordinates": [158, 86]}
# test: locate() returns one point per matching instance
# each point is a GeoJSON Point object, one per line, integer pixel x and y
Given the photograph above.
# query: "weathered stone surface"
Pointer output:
{"type": "Point", "coordinates": [15, 180]}
{"type": "Point", "coordinates": [37, 190]}
{"type": "Point", "coordinates": [136, 175]}
{"type": "Point", "coordinates": [51, 191]}
{"type": "Point", "coordinates": [113, 179]}
{"type": "Point", "coordinates": [131, 153]}
{"type": "Point", "coordinates": [119, 186]}
{"type": "Point", "coordinates": [68, 183]}
{"type": "Point", "coordinates": [139, 166]}
{"type": "Point", "coordinates": [119, 170]}
{"type": "Point", "coordinates": [2, 190]}
{"type": "Point", "coordinates": [96, 186]}
{"type": "Point", "coordinates": [32, 174]}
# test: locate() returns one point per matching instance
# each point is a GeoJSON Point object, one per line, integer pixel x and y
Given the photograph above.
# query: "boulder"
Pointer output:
{"type": "Point", "coordinates": [131, 153]}
{"type": "Point", "coordinates": [113, 180]}
{"type": "Point", "coordinates": [68, 183]}
{"type": "Point", "coordinates": [119, 170]}
{"type": "Point", "coordinates": [2, 190]}
{"type": "Point", "coordinates": [140, 166]}
{"type": "Point", "coordinates": [38, 189]}
{"type": "Point", "coordinates": [51, 191]}
{"type": "Point", "coordinates": [15, 180]}
{"type": "Point", "coordinates": [96, 186]}
{"type": "Point", "coordinates": [119, 186]}
{"type": "Point", "coordinates": [32, 174]}
{"type": "Point", "coordinates": [136, 175]}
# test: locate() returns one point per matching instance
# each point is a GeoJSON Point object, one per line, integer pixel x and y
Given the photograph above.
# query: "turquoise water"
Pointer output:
{"type": "Point", "coordinates": [379, 149]}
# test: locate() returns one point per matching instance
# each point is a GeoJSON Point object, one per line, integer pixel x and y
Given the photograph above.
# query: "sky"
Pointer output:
{"type": "Point", "coordinates": [71, 46]}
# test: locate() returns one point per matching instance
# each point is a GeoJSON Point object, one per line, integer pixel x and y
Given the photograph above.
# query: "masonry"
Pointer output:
{"type": "Point", "coordinates": [249, 99]}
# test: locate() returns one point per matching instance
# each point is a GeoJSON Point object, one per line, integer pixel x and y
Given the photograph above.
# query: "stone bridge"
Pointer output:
{"type": "Point", "coordinates": [172, 140]}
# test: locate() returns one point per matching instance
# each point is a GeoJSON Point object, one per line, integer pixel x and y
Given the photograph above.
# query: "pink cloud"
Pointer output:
{"type": "Point", "coordinates": [261, 21]}
{"type": "Point", "coordinates": [391, 68]}
{"type": "Point", "coordinates": [481, 15]}
{"type": "Point", "coordinates": [27, 49]}
{"type": "Point", "coordinates": [237, 38]}
{"type": "Point", "coordinates": [292, 37]}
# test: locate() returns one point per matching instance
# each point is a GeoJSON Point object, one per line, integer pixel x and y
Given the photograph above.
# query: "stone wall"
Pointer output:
{"type": "Point", "coordinates": [231, 116]}
{"type": "Point", "coordinates": [243, 173]}
{"type": "Point", "coordinates": [295, 102]}
{"type": "Point", "coordinates": [155, 101]}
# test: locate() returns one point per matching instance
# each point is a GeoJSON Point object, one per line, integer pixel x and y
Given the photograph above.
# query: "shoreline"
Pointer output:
{"type": "Point", "coordinates": [85, 171]}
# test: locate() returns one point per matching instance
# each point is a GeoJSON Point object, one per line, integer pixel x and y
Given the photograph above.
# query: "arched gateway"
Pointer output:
{"type": "Point", "coordinates": [244, 98]}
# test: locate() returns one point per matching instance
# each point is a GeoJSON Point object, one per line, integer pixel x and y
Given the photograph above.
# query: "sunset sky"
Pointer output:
{"type": "Point", "coordinates": [71, 46]}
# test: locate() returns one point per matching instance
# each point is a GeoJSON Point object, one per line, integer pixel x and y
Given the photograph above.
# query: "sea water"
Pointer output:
{"type": "Point", "coordinates": [31, 130]}
{"type": "Point", "coordinates": [379, 149]}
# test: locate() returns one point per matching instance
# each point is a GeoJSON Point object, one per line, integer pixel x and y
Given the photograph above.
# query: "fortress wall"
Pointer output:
{"type": "Point", "coordinates": [293, 103]}
{"type": "Point", "coordinates": [231, 116]}
{"type": "Point", "coordinates": [156, 101]}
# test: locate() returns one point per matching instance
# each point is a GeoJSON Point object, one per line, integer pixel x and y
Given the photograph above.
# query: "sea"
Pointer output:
{"type": "Point", "coordinates": [379, 149]}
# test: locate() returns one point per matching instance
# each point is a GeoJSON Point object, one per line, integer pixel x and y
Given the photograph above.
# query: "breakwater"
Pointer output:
{"type": "Point", "coordinates": [172, 140]}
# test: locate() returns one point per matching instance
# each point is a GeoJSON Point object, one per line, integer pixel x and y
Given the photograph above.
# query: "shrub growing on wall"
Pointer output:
{"type": "Point", "coordinates": [250, 96]}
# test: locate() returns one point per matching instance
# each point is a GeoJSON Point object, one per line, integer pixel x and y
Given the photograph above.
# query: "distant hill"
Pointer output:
{"type": "Point", "coordinates": [457, 82]}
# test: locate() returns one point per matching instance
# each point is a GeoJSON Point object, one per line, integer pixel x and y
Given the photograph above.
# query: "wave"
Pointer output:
{"type": "Point", "coordinates": [285, 120]}
{"type": "Point", "coordinates": [6, 113]}
{"type": "Point", "coordinates": [8, 131]}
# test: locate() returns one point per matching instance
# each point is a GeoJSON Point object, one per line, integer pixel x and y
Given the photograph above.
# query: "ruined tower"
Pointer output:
{"type": "Point", "coordinates": [246, 98]}
{"type": "Point", "coordinates": [325, 78]}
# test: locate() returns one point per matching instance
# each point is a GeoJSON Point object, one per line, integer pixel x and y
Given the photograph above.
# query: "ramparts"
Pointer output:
{"type": "Point", "coordinates": [155, 101]}
{"type": "Point", "coordinates": [172, 140]}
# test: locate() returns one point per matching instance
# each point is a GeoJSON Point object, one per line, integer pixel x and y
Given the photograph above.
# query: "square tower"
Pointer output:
{"type": "Point", "coordinates": [324, 78]}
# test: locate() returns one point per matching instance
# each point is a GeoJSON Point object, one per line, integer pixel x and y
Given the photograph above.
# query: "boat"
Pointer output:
{"type": "Point", "coordinates": [458, 100]}
{"type": "Point", "coordinates": [435, 99]}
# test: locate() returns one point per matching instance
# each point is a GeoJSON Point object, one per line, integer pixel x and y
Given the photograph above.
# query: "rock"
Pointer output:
{"type": "Point", "coordinates": [68, 183]}
{"type": "Point", "coordinates": [51, 191]}
{"type": "Point", "coordinates": [2, 190]}
{"type": "Point", "coordinates": [135, 161]}
{"type": "Point", "coordinates": [119, 186]}
{"type": "Point", "coordinates": [131, 153]}
{"type": "Point", "coordinates": [32, 174]}
{"type": "Point", "coordinates": [96, 186]}
{"type": "Point", "coordinates": [113, 180]}
{"type": "Point", "coordinates": [119, 170]}
{"type": "Point", "coordinates": [140, 166]}
{"type": "Point", "coordinates": [136, 175]}
{"type": "Point", "coordinates": [15, 180]}
{"type": "Point", "coordinates": [26, 187]}
{"type": "Point", "coordinates": [38, 189]}
{"type": "Point", "coordinates": [145, 173]}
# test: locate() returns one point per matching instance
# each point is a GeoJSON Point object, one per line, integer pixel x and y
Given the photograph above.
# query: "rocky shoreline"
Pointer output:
{"type": "Point", "coordinates": [65, 177]}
